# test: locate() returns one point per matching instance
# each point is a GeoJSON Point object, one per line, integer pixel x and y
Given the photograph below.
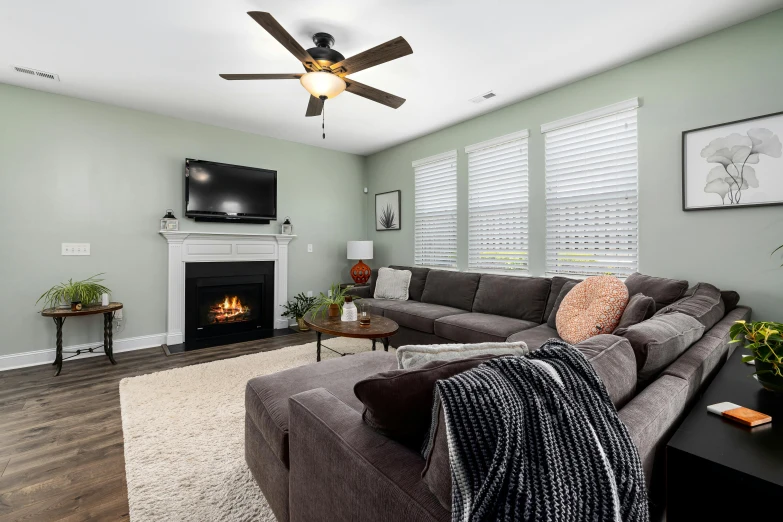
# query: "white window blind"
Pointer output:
{"type": "Point", "coordinates": [591, 193]}
{"type": "Point", "coordinates": [435, 227]}
{"type": "Point", "coordinates": [497, 204]}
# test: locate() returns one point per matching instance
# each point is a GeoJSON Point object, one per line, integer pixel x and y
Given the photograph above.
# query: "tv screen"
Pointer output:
{"type": "Point", "coordinates": [217, 191]}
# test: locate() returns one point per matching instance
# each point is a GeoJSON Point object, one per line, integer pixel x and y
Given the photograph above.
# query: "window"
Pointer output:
{"type": "Point", "coordinates": [591, 192]}
{"type": "Point", "coordinates": [435, 227]}
{"type": "Point", "coordinates": [497, 204]}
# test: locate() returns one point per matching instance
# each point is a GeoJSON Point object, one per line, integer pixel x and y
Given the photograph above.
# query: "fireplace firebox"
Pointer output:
{"type": "Point", "coordinates": [228, 302]}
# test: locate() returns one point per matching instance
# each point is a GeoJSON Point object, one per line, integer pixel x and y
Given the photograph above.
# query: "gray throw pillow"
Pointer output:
{"type": "Point", "coordinates": [730, 299]}
{"type": "Point", "coordinates": [392, 284]}
{"type": "Point", "coordinates": [664, 291]}
{"type": "Point", "coordinates": [567, 286]}
{"type": "Point", "coordinates": [703, 302]}
{"type": "Point", "coordinates": [658, 341]}
{"type": "Point", "coordinates": [414, 356]}
{"type": "Point", "coordinates": [639, 308]}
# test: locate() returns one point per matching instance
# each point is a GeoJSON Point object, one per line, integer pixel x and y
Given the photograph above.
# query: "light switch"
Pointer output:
{"type": "Point", "coordinates": [310, 247]}
{"type": "Point", "coordinates": [76, 249]}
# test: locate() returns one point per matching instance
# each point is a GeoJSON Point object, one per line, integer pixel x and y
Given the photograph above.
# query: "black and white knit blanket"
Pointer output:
{"type": "Point", "coordinates": [537, 438]}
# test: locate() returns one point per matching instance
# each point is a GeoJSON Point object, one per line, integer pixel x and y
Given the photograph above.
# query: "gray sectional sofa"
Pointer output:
{"type": "Point", "coordinates": [315, 458]}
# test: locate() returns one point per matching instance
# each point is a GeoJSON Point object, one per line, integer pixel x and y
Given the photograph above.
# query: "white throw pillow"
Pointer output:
{"type": "Point", "coordinates": [392, 284]}
{"type": "Point", "coordinates": [416, 355]}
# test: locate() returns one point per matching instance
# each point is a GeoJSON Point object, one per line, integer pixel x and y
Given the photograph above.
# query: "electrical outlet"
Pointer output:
{"type": "Point", "coordinates": [76, 249]}
{"type": "Point", "coordinates": [118, 315]}
{"type": "Point", "coordinates": [310, 247]}
{"type": "Point", "coordinates": [309, 293]}
{"type": "Point", "coordinates": [330, 292]}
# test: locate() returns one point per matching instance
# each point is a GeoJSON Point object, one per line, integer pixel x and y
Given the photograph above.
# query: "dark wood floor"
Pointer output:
{"type": "Point", "coordinates": [61, 447]}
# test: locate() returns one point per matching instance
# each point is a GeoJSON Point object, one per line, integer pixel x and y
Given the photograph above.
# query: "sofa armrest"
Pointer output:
{"type": "Point", "coordinates": [341, 469]}
{"type": "Point", "coordinates": [360, 291]}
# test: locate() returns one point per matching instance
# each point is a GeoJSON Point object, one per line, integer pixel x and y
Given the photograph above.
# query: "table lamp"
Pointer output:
{"type": "Point", "coordinates": [360, 250]}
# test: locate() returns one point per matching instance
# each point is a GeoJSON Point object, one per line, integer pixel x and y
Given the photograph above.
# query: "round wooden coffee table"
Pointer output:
{"type": "Point", "coordinates": [379, 328]}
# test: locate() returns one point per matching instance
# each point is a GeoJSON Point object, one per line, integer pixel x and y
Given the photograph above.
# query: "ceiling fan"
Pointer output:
{"type": "Point", "coordinates": [328, 70]}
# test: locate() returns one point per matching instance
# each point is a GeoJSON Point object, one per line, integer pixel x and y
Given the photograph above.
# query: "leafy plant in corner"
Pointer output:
{"type": "Point", "coordinates": [297, 309]}
{"type": "Point", "coordinates": [765, 342]}
{"type": "Point", "coordinates": [86, 291]}
{"type": "Point", "coordinates": [336, 297]}
{"type": "Point", "coordinates": [387, 217]}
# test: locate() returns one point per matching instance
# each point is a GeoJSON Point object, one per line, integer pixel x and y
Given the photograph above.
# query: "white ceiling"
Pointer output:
{"type": "Point", "coordinates": [164, 56]}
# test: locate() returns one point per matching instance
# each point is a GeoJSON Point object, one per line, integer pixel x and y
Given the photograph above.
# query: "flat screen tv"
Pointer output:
{"type": "Point", "coordinates": [221, 192]}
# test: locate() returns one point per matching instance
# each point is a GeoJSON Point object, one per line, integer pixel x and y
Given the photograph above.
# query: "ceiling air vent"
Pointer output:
{"type": "Point", "coordinates": [482, 97]}
{"type": "Point", "coordinates": [35, 72]}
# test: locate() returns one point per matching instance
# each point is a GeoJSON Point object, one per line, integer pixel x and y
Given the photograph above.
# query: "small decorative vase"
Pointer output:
{"type": "Point", "coordinates": [76, 306]}
{"type": "Point", "coordinates": [334, 310]}
{"type": "Point", "coordinates": [302, 324]}
{"type": "Point", "coordinates": [768, 380]}
{"type": "Point", "coordinates": [349, 310]}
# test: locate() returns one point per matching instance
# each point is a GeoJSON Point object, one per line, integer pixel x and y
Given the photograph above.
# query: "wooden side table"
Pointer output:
{"type": "Point", "coordinates": [60, 315]}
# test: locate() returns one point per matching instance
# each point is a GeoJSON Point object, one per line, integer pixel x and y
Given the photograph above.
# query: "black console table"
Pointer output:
{"type": "Point", "coordinates": [717, 469]}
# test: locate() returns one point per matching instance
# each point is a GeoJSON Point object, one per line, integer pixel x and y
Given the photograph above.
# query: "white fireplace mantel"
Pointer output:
{"type": "Point", "coordinates": [195, 247]}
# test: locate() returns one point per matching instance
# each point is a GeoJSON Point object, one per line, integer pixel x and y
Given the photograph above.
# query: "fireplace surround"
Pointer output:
{"type": "Point", "coordinates": [234, 249]}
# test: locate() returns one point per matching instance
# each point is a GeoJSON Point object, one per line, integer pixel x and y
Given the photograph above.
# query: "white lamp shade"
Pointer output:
{"type": "Point", "coordinates": [321, 83]}
{"type": "Point", "coordinates": [359, 249]}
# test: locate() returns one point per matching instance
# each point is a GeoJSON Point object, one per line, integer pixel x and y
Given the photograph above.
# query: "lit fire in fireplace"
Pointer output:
{"type": "Point", "coordinates": [230, 310]}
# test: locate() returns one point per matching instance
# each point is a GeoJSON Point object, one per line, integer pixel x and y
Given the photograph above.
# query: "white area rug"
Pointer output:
{"type": "Point", "coordinates": [184, 436]}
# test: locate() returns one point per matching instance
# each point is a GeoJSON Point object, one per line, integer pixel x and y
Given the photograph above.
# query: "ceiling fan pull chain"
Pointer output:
{"type": "Point", "coordinates": [323, 120]}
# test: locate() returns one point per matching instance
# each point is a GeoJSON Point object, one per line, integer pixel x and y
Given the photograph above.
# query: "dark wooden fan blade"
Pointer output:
{"type": "Point", "coordinates": [314, 106]}
{"type": "Point", "coordinates": [383, 53]}
{"type": "Point", "coordinates": [268, 22]}
{"type": "Point", "coordinates": [371, 93]}
{"type": "Point", "coordinates": [292, 76]}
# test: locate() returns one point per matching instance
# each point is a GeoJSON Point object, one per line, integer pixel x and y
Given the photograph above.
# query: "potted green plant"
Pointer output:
{"type": "Point", "coordinates": [74, 293]}
{"type": "Point", "coordinates": [297, 309]}
{"type": "Point", "coordinates": [765, 342]}
{"type": "Point", "coordinates": [331, 304]}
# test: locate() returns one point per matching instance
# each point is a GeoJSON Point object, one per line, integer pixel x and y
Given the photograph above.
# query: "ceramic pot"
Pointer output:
{"type": "Point", "coordinates": [768, 380]}
{"type": "Point", "coordinates": [334, 310]}
{"type": "Point", "coordinates": [302, 325]}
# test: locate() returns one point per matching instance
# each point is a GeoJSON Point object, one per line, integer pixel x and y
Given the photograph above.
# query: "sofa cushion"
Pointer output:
{"type": "Point", "coordinates": [614, 361]}
{"type": "Point", "coordinates": [554, 292]}
{"type": "Point", "coordinates": [398, 403]}
{"type": "Point", "coordinates": [418, 279]}
{"type": "Point", "coordinates": [534, 337]}
{"type": "Point", "coordinates": [658, 341]}
{"type": "Point", "coordinates": [704, 303]}
{"type": "Point", "coordinates": [478, 328]}
{"type": "Point", "coordinates": [266, 397]}
{"type": "Point", "coordinates": [377, 306]}
{"type": "Point", "coordinates": [566, 287]}
{"type": "Point", "coordinates": [454, 289]}
{"type": "Point", "coordinates": [414, 356]}
{"type": "Point", "coordinates": [639, 308]}
{"type": "Point", "coordinates": [592, 307]}
{"type": "Point", "coordinates": [730, 299]}
{"type": "Point", "coordinates": [511, 296]}
{"type": "Point", "coordinates": [419, 316]}
{"type": "Point", "coordinates": [664, 291]}
{"type": "Point", "coordinates": [392, 284]}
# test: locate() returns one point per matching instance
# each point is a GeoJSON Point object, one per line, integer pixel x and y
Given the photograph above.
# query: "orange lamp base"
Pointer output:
{"type": "Point", "coordinates": [360, 273]}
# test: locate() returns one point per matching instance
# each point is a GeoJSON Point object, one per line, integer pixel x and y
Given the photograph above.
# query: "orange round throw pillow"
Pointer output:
{"type": "Point", "coordinates": [592, 307]}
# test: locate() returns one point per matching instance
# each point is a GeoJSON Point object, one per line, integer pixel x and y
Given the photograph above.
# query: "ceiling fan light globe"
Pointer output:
{"type": "Point", "coordinates": [322, 83]}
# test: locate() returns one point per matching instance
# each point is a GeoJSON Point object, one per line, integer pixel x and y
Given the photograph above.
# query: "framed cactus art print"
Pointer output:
{"type": "Point", "coordinates": [387, 211]}
{"type": "Point", "coordinates": [733, 165]}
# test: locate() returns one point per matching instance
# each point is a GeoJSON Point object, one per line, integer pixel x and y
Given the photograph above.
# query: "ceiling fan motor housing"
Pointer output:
{"type": "Point", "coordinates": [323, 52]}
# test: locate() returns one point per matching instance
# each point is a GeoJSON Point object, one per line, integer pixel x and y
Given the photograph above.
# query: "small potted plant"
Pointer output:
{"type": "Point", "coordinates": [331, 304]}
{"type": "Point", "coordinates": [75, 294]}
{"type": "Point", "coordinates": [297, 309]}
{"type": "Point", "coordinates": [765, 342]}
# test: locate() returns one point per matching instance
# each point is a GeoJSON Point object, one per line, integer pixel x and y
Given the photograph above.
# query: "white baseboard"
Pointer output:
{"type": "Point", "coordinates": [22, 360]}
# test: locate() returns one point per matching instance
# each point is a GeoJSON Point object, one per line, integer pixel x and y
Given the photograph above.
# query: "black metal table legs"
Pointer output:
{"type": "Point", "coordinates": [108, 340]}
{"type": "Point", "coordinates": [318, 347]}
{"type": "Point", "coordinates": [58, 360]}
{"type": "Point", "coordinates": [386, 344]}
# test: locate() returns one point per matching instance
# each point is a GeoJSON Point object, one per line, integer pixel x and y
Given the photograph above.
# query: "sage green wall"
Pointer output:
{"type": "Point", "coordinates": [77, 171]}
{"type": "Point", "coordinates": [733, 74]}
